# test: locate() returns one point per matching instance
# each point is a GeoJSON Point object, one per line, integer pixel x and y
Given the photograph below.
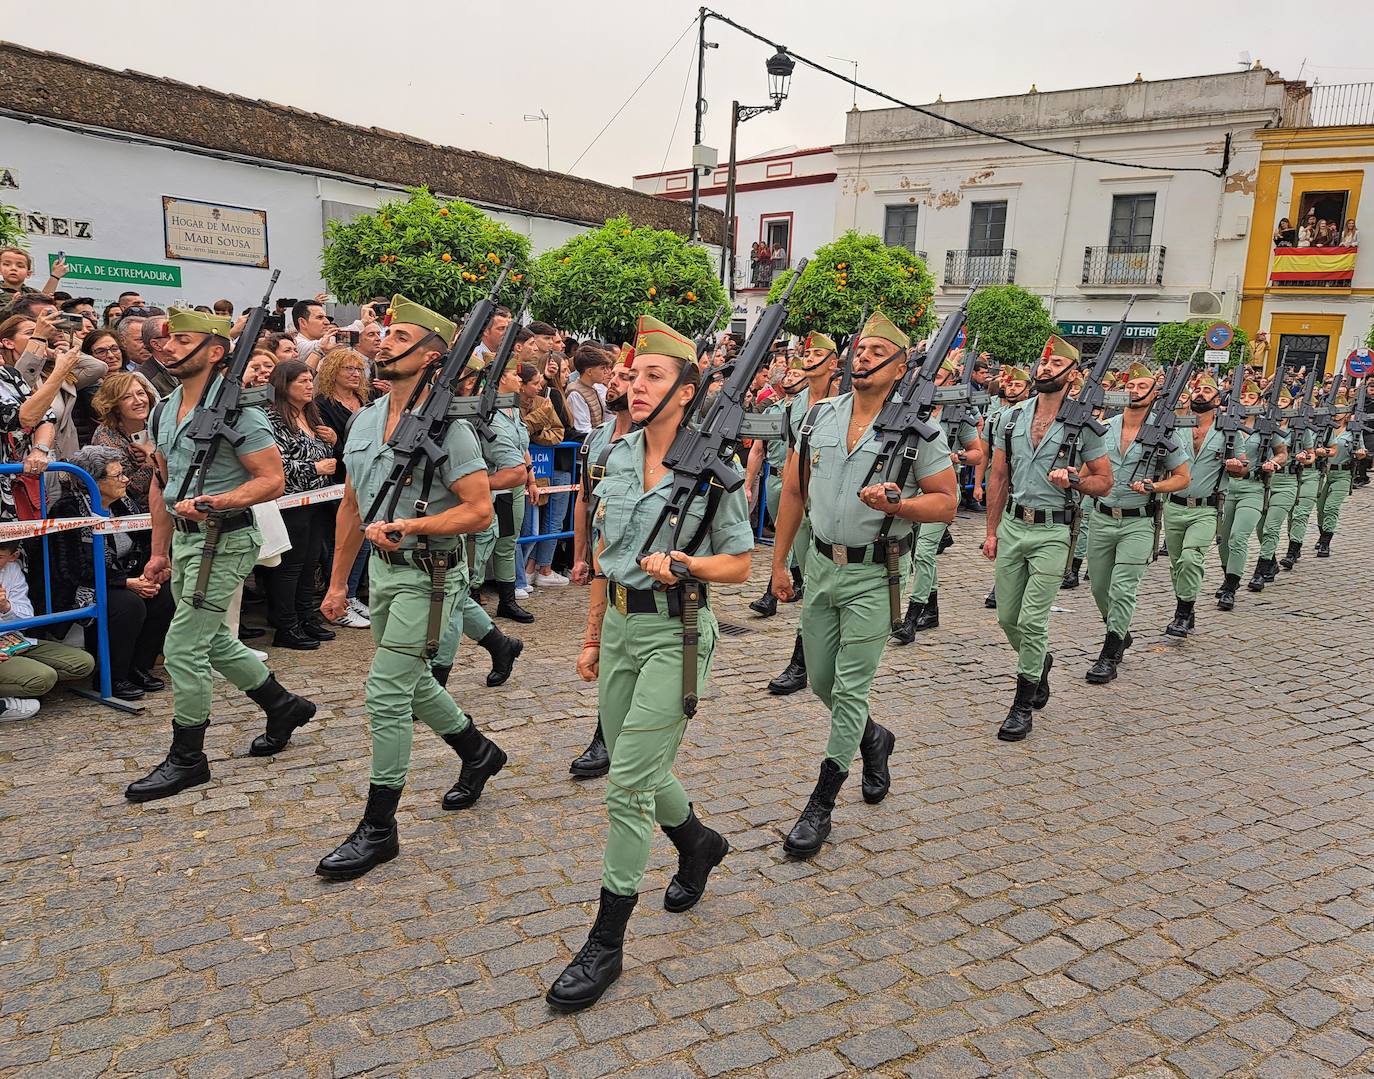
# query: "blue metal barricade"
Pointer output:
{"type": "Point", "coordinates": [541, 458]}
{"type": "Point", "coordinates": [99, 609]}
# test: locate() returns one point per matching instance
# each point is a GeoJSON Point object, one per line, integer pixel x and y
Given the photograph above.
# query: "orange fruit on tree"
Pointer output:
{"type": "Point", "coordinates": [653, 291]}
{"type": "Point", "coordinates": [445, 257]}
{"type": "Point", "coordinates": [443, 212]}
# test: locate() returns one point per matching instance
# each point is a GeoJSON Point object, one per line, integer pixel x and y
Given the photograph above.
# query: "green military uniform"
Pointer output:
{"type": "Point", "coordinates": [1190, 515]}
{"type": "Point", "coordinates": [1335, 489]}
{"type": "Point", "coordinates": [925, 576]}
{"type": "Point", "coordinates": [1243, 505]}
{"type": "Point", "coordinates": [1309, 487]}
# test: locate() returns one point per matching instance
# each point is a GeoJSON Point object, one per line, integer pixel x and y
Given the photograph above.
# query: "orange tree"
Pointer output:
{"type": "Point", "coordinates": [601, 281]}
{"type": "Point", "coordinates": [1178, 340]}
{"type": "Point", "coordinates": [1009, 323]}
{"type": "Point", "coordinates": [855, 272]}
{"type": "Point", "coordinates": [440, 253]}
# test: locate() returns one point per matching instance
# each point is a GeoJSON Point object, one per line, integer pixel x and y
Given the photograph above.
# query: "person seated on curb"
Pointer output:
{"type": "Point", "coordinates": [29, 668]}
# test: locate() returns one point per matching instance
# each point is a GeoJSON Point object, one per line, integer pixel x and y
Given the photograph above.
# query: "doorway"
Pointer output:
{"type": "Point", "coordinates": [1303, 350]}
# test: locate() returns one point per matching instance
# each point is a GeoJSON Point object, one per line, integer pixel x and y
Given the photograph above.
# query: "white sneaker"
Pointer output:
{"type": "Point", "coordinates": [353, 620]}
{"type": "Point", "coordinates": [522, 593]}
{"type": "Point", "coordinates": [359, 608]}
{"type": "Point", "coordinates": [18, 708]}
{"type": "Point", "coordinates": [259, 653]}
{"type": "Point", "coordinates": [551, 580]}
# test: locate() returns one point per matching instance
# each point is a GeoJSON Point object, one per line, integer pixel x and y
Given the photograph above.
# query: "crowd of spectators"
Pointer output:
{"type": "Point", "coordinates": [1313, 231]}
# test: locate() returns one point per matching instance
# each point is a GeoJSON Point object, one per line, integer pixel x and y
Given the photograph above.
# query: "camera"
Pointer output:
{"type": "Point", "coordinates": [69, 323]}
{"type": "Point", "coordinates": [275, 323]}
{"type": "Point", "coordinates": [347, 337]}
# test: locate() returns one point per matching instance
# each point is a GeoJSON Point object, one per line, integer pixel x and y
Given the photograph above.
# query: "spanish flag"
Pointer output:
{"type": "Point", "coordinates": [1313, 264]}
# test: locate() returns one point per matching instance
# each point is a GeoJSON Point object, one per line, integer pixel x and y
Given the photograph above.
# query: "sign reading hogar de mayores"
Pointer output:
{"type": "Point", "coordinates": [212, 232]}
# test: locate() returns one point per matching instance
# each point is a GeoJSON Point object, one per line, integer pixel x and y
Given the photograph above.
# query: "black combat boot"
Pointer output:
{"type": "Point", "coordinates": [1104, 670]}
{"type": "Point", "coordinates": [285, 712]}
{"type": "Point", "coordinates": [1324, 543]}
{"type": "Point", "coordinates": [186, 766]}
{"type": "Point", "coordinates": [1019, 719]}
{"type": "Point", "coordinates": [1226, 597]}
{"type": "Point", "coordinates": [504, 651]}
{"type": "Point", "coordinates": [793, 676]}
{"type": "Point", "coordinates": [946, 542]}
{"type": "Point", "coordinates": [506, 607]}
{"type": "Point", "coordinates": [875, 748]}
{"type": "Point", "coordinates": [906, 632]}
{"type": "Point", "coordinates": [699, 850]}
{"type": "Point", "coordinates": [766, 605]}
{"type": "Point", "coordinates": [595, 760]}
{"type": "Point", "coordinates": [798, 585]}
{"type": "Point", "coordinates": [1289, 560]}
{"type": "Point", "coordinates": [597, 964]}
{"type": "Point", "coordinates": [482, 758]}
{"type": "Point", "coordinates": [929, 617]}
{"type": "Point", "coordinates": [373, 842]}
{"type": "Point", "coordinates": [1257, 579]}
{"type": "Point", "coordinates": [1071, 574]}
{"type": "Point", "coordinates": [807, 835]}
{"type": "Point", "coordinates": [1183, 619]}
{"type": "Point", "coordinates": [1271, 570]}
{"type": "Point", "coordinates": [990, 600]}
{"type": "Point", "coordinates": [441, 671]}
{"type": "Point", "coordinates": [1042, 689]}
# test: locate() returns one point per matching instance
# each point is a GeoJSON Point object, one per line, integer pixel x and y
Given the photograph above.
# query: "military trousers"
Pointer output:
{"type": "Point", "coordinates": [846, 621]}
{"type": "Point", "coordinates": [400, 687]}
{"type": "Point", "coordinates": [505, 550]}
{"type": "Point", "coordinates": [198, 639]}
{"type": "Point", "coordinates": [1240, 516]}
{"type": "Point", "coordinates": [1118, 554]}
{"type": "Point", "coordinates": [1189, 532]}
{"type": "Point", "coordinates": [640, 695]}
{"type": "Point", "coordinates": [1029, 571]}
{"type": "Point", "coordinates": [1080, 547]}
{"type": "Point", "coordinates": [774, 487]}
{"type": "Point", "coordinates": [468, 618]}
{"type": "Point", "coordinates": [1309, 486]}
{"type": "Point", "coordinates": [925, 575]}
{"type": "Point", "coordinates": [1333, 494]}
{"type": "Point", "coordinates": [1283, 496]}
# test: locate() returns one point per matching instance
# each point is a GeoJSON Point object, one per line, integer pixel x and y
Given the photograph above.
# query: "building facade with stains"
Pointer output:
{"type": "Point", "coordinates": [1164, 215]}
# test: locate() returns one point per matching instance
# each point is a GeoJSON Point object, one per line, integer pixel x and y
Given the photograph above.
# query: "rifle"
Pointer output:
{"type": "Point", "coordinates": [1267, 425]}
{"type": "Point", "coordinates": [215, 424]}
{"type": "Point", "coordinates": [488, 400]}
{"type": "Point", "coordinates": [1302, 419]}
{"type": "Point", "coordinates": [1360, 427]}
{"type": "Point", "coordinates": [1230, 422]}
{"type": "Point", "coordinates": [700, 459]}
{"type": "Point", "coordinates": [955, 409]}
{"type": "Point", "coordinates": [847, 364]}
{"type": "Point", "coordinates": [1077, 413]}
{"type": "Point", "coordinates": [1156, 436]}
{"type": "Point", "coordinates": [901, 424]}
{"type": "Point", "coordinates": [1325, 421]}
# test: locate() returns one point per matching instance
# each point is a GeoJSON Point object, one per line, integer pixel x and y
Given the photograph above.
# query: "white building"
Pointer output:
{"type": "Point", "coordinates": [1083, 235]}
{"type": "Point", "coordinates": [784, 203]}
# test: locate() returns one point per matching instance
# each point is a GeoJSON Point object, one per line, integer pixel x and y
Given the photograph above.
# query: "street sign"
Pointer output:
{"type": "Point", "coordinates": [1215, 357]}
{"type": "Point", "coordinates": [81, 268]}
{"type": "Point", "coordinates": [1219, 335]}
{"type": "Point", "coordinates": [1359, 362]}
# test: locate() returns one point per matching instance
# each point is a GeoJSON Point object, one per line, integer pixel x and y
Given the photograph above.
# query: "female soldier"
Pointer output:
{"type": "Point", "coordinates": [634, 648]}
{"type": "Point", "coordinates": [1283, 498]}
{"type": "Point", "coordinates": [1244, 504]}
{"type": "Point", "coordinates": [1336, 484]}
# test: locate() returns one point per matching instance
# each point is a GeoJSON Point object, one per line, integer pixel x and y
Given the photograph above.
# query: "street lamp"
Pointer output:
{"type": "Point", "coordinates": [779, 68]}
{"type": "Point", "coordinates": [542, 118]}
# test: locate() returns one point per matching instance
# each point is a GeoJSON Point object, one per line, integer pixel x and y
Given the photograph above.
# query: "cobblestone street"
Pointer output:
{"type": "Point", "coordinates": [1174, 876]}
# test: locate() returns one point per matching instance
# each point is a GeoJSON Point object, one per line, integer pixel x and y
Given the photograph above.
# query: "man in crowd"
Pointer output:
{"type": "Point", "coordinates": [587, 392]}
{"type": "Point", "coordinates": [491, 336]}
{"type": "Point", "coordinates": [315, 334]}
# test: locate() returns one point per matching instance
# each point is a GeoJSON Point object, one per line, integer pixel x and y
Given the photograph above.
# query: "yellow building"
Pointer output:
{"type": "Point", "coordinates": [1314, 300]}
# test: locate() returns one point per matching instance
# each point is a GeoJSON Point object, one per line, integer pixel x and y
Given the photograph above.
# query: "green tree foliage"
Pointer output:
{"type": "Point", "coordinates": [1176, 340]}
{"type": "Point", "coordinates": [855, 272]}
{"type": "Point", "coordinates": [601, 281]}
{"type": "Point", "coordinates": [441, 254]}
{"type": "Point", "coordinates": [1009, 322]}
{"type": "Point", "coordinates": [11, 234]}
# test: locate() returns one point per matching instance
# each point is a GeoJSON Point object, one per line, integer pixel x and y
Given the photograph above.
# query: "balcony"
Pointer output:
{"type": "Point", "coordinates": [963, 268]}
{"type": "Point", "coordinates": [1334, 105]}
{"type": "Point", "coordinates": [763, 270]}
{"type": "Point", "coordinates": [1313, 267]}
{"type": "Point", "coordinates": [1135, 265]}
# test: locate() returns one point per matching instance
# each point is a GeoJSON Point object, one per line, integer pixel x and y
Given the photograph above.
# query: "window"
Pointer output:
{"type": "Point", "coordinates": [1133, 222]}
{"type": "Point", "coordinates": [987, 228]}
{"type": "Point", "coordinates": [778, 234]}
{"type": "Point", "coordinates": [1320, 207]}
{"type": "Point", "coordinates": [899, 228]}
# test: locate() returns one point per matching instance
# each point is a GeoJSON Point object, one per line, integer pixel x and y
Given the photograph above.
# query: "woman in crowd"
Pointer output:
{"type": "Point", "coordinates": [282, 346]}
{"type": "Point", "coordinates": [111, 315]}
{"type": "Point", "coordinates": [26, 419]}
{"type": "Point", "coordinates": [103, 345]}
{"type": "Point", "coordinates": [139, 610]}
{"type": "Point", "coordinates": [1307, 231]}
{"type": "Point", "coordinates": [1351, 236]}
{"type": "Point", "coordinates": [1284, 236]}
{"type": "Point", "coordinates": [307, 451]}
{"type": "Point", "coordinates": [546, 429]}
{"type": "Point", "coordinates": [258, 370]}
{"type": "Point", "coordinates": [1323, 237]}
{"type": "Point", "coordinates": [37, 364]}
{"type": "Point", "coordinates": [123, 404]}
{"type": "Point", "coordinates": [341, 389]}
{"type": "Point", "coordinates": [35, 666]}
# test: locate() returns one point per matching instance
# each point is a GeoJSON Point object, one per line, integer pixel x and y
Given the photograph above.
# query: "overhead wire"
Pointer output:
{"type": "Point", "coordinates": [686, 82]}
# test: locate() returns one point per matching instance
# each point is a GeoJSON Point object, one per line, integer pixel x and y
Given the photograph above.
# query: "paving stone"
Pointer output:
{"type": "Point", "coordinates": [1309, 1008]}
{"type": "Point", "coordinates": [876, 1047]}
{"type": "Point", "coordinates": [732, 1053]}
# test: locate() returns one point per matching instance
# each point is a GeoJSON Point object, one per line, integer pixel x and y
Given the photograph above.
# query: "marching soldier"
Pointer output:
{"type": "Point", "coordinates": [417, 575]}
{"type": "Point", "coordinates": [1073, 573]}
{"type": "Point", "coordinates": [1123, 535]}
{"type": "Point", "coordinates": [774, 451]}
{"type": "Point", "coordinates": [1244, 501]}
{"type": "Point", "coordinates": [1013, 387]}
{"type": "Point", "coordinates": [1284, 486]}
{"type": "Point", "coordinates": [846, 613]}
{"type": "Point", "coordinates": [1028, 532]}
{"type": "Point", "coordinates": [1190, 515]}
{"type": "Point", "coordinates": [1309, 488]}
{"type": "Point", "coordinates": [820, 363]}
{"type": "Point", "coordinates": [1341, 458]}
{"type": "Point", "coordinates": [637, 651]}
{"type": "Point", "coordinates": [595, 760]}
{"type": "Point", "coordinates": [204, 576]}
{"type": "Point", "coordinates": [507, 459]}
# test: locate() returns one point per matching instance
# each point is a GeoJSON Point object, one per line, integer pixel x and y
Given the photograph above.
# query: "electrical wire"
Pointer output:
{"type": "Point", "coordinates": [686, 82]}
{"type": "Point", "coordinates": [633, 92]}
{"type": "Point", "coordinates": [971, 128]}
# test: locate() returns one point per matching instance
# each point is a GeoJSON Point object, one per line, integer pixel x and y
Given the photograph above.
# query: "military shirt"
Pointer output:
{"type": "Point", "coordinates": [226, 471]}
{"type": "Point", "coordinates": [369, 460]}
{"type": "Point", "coordinates": [1206, 466]}
{"type": "Point", "coordinates": [625, 513]}
{"type": "Point", "coordinates": [968, 429]}
{"type": "Point", "coordinates": [597, 443]}
{"type": "Point", "coordinates": [510, 441]}
{"type": "Point", "coordinates": [1031, 466]}
{"type": "Point", "coordinates": [775, 449]}
{"type": "Point", "coordinates": [837, 476]}
{"type": "Point", "coordinates": [1341, 444]}
{"type": "Point", "coordinates": [1124, 464]}
{"type": "Point", "coordinates": [1249, 447]}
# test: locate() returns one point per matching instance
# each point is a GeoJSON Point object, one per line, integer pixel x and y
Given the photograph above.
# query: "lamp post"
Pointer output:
{"type": "Point", "coordinates": [542, 117]}
{"type": "Point", "coordinates": [779, 68]}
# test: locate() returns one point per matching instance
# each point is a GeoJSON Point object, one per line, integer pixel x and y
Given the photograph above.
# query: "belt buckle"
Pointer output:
{"type": "Point", "coordinates": [839, 554]}
{"type": "Point", "coordinates": [1116, 512]}
{"type": "Point", "coordinates": [1027, 514]}
{"type": "Point", "coordinates": [622, 598]}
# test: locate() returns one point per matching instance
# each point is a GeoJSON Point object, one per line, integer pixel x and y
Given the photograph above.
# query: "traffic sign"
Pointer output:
{"type": "Point", "coordinates": [1219, 335]}
{"type": "Point", "coordinates": [1215, 357]}
{"type": "Point", "coordinates": [1359, 362]}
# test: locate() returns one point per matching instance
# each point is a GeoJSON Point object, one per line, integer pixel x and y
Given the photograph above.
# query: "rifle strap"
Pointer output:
{"type": "Point", "coordinates": [153, 424]}
{"type": "Point", "coordinates": [439, 562]}
{"type": "Point", "coordinates": [804, 451]}
{"type": "Point", "coordinates": [690, 592]}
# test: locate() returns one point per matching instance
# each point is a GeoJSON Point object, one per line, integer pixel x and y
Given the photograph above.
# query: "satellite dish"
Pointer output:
{"type": "Point", "coordinates": [1244, 59]}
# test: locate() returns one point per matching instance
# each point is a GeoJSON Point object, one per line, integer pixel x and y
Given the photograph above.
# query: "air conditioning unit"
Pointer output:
{"type": "Point", "coordinates": [1204, 304]}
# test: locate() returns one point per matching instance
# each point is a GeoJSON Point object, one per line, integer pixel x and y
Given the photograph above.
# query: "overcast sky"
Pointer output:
{"type": "Point", "coordinates": [465, 74]}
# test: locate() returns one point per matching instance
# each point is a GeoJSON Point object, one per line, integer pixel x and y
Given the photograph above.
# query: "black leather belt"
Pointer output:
{"type": "Point", "coordinates": [1028, 516]}
{"type": "Point", "coordinates": [1193, 503]}
{"type": "Point", "coordinates": [875, 552]}
{"type": "Point", "coordinates": [232, 523]}
{"type": "Point", "coordinates": [423, 560]}
{"type": "Point", "coordinates": [642, 600]}
{"type": "Point", "coordinates": [1119, 514]}
{"type": "Point", "coordinates": [1341, 468]}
